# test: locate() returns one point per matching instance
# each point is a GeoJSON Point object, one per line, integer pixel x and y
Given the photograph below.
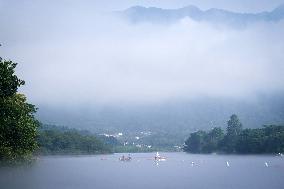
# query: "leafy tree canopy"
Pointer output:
{"type": "Point", "coordinates": [18, 127]}
{"type": "Point", "coordinates": [9, 82]}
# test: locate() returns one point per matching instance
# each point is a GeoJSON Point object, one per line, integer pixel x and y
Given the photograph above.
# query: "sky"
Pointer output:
{"type": "Point", "coordinates": [77, 52]}
{"type": "Point", "coordinates": [233, 5]}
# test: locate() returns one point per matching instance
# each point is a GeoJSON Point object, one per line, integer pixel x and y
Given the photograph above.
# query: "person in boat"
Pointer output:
{"type": "Point", "coordinates": [123, 158]}
{"type": "Point", "coordinates": [159, 158]}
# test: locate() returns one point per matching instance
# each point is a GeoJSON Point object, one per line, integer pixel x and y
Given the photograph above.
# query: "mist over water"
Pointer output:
{"type": "Point", "coordinates": [179, 171]}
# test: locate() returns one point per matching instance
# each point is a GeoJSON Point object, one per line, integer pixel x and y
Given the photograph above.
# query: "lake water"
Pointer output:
{"type": "Point", "coordinates": [179, 171]}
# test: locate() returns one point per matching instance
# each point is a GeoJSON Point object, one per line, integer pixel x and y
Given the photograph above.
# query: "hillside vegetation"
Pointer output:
{"type": "Point", "coordinates": [266, 140]}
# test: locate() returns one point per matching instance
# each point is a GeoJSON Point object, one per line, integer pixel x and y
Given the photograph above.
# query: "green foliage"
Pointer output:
{"type": "Point", "coordinates": [251, 141]}
{"type": "Point", "coordinates": [234, 126]}
{"type": "Point", "coordinates": [274, 139]}
{"type": "Point", "coordinates": [195, 142]}
{"type": "Point", "coordinates": [213, 139]}
{"type": "Point", "coordinates": [18, 127]}
{"type": "Point", "coordinates": [55, 140]}
{"type": "Point", "coordinates": [233, 131]}
{"type": "Point", "coordinates": [9, 82]}
{"type": "Point", "coordinates": [204, 142]}
{"type": "Point", "coordinates": [269, 139]}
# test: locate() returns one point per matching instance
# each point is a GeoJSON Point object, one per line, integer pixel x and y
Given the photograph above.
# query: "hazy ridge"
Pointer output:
{"type": "Point", "coordinates": [138, 14]}
{"type": "Point", "coordinates": [175, 116]}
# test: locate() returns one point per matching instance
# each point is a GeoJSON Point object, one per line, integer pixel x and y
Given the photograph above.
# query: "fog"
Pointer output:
{"type": "Point", "coordinates": [72, 53]}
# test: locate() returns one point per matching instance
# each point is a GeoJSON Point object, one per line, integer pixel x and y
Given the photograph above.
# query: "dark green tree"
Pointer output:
{"type": "Point", "coordinates": [274, 139]}
{"type": "Point", "coordinates": [251, 141]}
{"type": "Point", "coordinates": [18, 127]}
{"type": "Point", "coordinates": [9, 82]}
{"type": "Point", "coordinates": [234, 129]}
{"type": "Point", "coordinates": [213, 139]}
{"type": "Point", "coordinates": [234, 126]}
{"type": "Point", "coordinates": [195, 142]}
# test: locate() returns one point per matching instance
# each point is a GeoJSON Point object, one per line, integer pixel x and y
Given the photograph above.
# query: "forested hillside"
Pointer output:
{"type": "Point", "coordinates": [63, 140]}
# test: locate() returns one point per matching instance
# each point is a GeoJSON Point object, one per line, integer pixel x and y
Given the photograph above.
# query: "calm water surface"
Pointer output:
{"type": "Point", "coordinates": [180, 171]}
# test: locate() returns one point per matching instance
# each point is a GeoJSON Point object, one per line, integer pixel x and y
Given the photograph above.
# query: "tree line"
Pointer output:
{"type": "Point", "coordinates": [266, 140]}
{"type": "Point", "coordinates": [63, 140]}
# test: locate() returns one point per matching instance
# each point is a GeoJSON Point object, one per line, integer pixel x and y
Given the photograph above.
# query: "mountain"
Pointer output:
{"type": "Point", "coordinates": [172, 116]}
{"type": "Point", "coordinates": [138, 14]}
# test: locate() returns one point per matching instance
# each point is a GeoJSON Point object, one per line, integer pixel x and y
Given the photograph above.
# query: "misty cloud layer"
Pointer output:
{"type": "Point", "coordinates": [71, 55]}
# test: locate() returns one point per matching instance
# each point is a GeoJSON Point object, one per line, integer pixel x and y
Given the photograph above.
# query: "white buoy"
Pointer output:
{"type": "Point", "coordinates": [266, 164]}
{"type": "Point", "coordinates": [192, 163]}
{"type": "Point", "coordinates": [228, 165]}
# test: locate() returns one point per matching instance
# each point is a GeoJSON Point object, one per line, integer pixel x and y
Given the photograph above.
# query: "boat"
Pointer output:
{"type": "Point", "coordinates": [124, 158]}
{"type": "Point", "coordinates": [159, 158]}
